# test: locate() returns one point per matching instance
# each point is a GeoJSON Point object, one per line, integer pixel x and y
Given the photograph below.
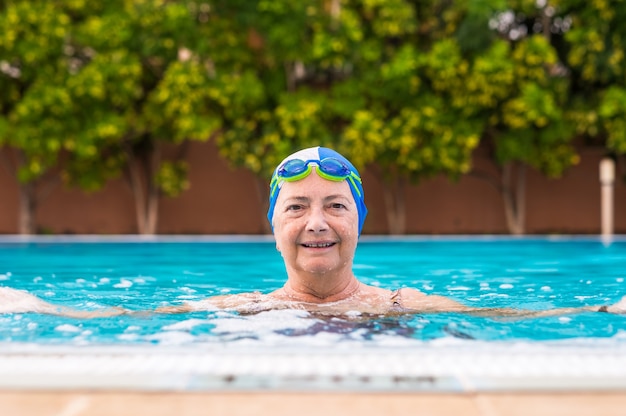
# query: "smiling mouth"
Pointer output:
{"type": "Point", "coordinates": [318, 245]}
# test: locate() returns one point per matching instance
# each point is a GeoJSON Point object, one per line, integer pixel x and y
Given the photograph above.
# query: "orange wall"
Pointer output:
{"type": "Point", "coordinates": [223, 200]}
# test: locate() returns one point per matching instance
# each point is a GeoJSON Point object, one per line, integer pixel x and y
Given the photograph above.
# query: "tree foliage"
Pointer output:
{"type": "Point", "coordinates": [406, 89]}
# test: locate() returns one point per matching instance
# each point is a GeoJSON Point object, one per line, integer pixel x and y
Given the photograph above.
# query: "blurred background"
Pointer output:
{"type": "Point", "coordinates": [168, 117]}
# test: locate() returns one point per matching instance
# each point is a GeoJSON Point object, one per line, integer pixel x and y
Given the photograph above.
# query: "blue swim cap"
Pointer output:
{"type": "Point", "coordinates": [318, 154]}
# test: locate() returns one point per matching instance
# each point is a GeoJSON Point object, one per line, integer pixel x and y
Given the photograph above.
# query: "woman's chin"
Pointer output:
{"type": "Point", "coordinates": [319, 267]}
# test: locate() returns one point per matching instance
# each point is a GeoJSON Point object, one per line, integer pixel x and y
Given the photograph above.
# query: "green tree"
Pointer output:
{"type": "Point", "coordinates": [34, 66]}
{"type": "Point", "coordinates": [409, 75]}
{"type": "Point", "coordinates": [522, 86]}
{"type": "Point", "coordinates": [280, 91]}
{"type": "Point", "coordinates": [111, 86]}
{"type": "Point", "coordinates": [144, 88]}
{"type": "Point", "coordinates": [347, 74]}
{"type": "Point", "coordinates": [595, 58]}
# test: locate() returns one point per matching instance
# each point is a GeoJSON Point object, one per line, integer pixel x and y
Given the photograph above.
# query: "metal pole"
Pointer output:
{"type": "Point", "coordinates": [607, 179]}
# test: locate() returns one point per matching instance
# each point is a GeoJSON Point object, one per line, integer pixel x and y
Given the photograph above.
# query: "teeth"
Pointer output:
{"type": "Point", "coordinates": [319, 245]}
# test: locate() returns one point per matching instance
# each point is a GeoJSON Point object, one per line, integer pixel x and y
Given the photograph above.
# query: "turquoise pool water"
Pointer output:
{"type": "Point", "coordinates": [532, 273]}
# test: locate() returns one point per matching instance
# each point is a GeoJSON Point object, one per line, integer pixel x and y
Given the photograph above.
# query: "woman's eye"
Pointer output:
{"type": "Point", "coordinates": [294, 207]}
{"type": "Point", "coordinates": [337, 205]}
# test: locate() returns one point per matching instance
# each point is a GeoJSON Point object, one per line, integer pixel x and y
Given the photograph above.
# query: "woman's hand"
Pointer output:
{"type": "Point", "coordinates": [19, 301]}
{"type": "Point", "coordinates": [618, 307]}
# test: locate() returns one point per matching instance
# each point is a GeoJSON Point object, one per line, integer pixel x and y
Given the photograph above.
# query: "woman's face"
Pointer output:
{"type": "Point", "coordinates": [316, 226]}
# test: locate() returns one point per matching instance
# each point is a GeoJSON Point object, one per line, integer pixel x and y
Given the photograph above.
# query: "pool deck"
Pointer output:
{"type": "Point", "coordinates": [81, 403]}
{"type": "Point", "coordinates": [441, 380]}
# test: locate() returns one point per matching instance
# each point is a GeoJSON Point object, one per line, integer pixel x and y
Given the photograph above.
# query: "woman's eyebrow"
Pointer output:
{"type": "Point", "coordinates": [336, 196]}
{"type": "Point", "coordinates": [296, 199]}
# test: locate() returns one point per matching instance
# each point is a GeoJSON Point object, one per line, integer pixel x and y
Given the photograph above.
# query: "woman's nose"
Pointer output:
{"type": "Point", "coordinates": [316, 220]}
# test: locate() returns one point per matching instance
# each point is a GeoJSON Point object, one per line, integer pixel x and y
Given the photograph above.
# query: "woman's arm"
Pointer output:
{"type": "Point", "coordinates": [415, 300]}
{"type": "Point", "coordinates": [227, 302]}
{"type": "Point", "coordinates": [19, 301]}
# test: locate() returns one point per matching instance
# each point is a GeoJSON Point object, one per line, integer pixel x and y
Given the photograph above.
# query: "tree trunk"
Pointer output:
{"type": "Point", "coordinates": [27, 207]}
{"type": "Point", "coordinates": [511, 186]}
{"type": "Point", "coordinates": [141, 171]}
{"type": "Point", "coordinates": [152, 204]}
{"type": "Point", "coordinates": [27, 198]}
{"type": "Point", "coordinates": [395, 206]}
{"type": "Point", "coordinates": [514, 196]}
{"type": "Point", "coordinates": [30, 194]}
{"type": "Point", "coordinates": [137, 189]}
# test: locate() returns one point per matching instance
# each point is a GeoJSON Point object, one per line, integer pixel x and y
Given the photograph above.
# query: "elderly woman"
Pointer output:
{"type": "Point", "coordinates": [317, 211]}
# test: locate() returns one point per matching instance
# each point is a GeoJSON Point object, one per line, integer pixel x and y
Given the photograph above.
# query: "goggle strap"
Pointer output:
{"type": "Point", "coordinates": [356, 188]}
{"type": "Point", "coordinates": [274, 185]}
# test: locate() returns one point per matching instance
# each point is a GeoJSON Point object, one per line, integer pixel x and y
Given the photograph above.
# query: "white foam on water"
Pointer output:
{"type": "Point", "coordinates": [4, 277]}
{"type": "Point", "coordinates": [193, 273]}
{"type": "Point", "coordinates": [494, 295]}
{"type": "Point", "coordinates": [506, 286]}
{"type": "Point", "coordinates": [124, 283]}
{"type": "Point", "coordinates": [201, 305]}
{"type": "Point", "coordinates": [283, 328]}
{"type": "Point", "coordinates": [67, 328]}
{"type": "Point", "coordinates": [93, 305]}
{"type": "Point", "coordinates": [457, 288]}
{"type": "Point", "coordinates": [185, 325]}
{"type": "Point", "coordinates": [263, 322]}
{"type": "Point", "coordinates": [132, 328]}
{"type": "Point", "coordinates": [128, 337]}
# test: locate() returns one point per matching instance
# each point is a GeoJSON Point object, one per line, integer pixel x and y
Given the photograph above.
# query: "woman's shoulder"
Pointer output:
{"type": "Point", "coordinates": [368, 291]}
{"type": "Point", "coordinates": [227, 301]}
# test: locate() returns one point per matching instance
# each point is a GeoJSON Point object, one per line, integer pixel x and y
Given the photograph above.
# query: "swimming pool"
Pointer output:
{"type": "Point", "coordinates": [287, 349]}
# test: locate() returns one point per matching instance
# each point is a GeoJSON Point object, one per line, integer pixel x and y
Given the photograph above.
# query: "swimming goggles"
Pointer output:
{"type": "Point", "coordinates": [329, 168]}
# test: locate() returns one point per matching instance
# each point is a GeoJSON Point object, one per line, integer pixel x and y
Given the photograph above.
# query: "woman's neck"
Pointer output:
{"type": "Point", "coordinates": [305, 291]}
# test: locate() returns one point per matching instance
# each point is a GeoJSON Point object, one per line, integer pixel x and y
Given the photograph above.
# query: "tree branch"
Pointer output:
{"type": "Point", "coordinates": [490, 179]}
{"type": "Point", "coordinates": [46, 186]}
